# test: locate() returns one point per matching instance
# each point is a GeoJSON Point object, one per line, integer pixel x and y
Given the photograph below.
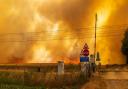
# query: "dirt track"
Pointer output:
{"type": "Point", "coordinates": [113, 80]}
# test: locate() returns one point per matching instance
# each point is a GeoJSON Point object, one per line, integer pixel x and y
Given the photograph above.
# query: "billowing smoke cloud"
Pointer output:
{"type": "Point", "coordinates": [49, 30]}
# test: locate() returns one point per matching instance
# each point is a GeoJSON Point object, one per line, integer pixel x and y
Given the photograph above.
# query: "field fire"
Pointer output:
{"type": "Point", "coordinates": [43, 31]}
{"type": "Point", "coordinates": [60, 44]}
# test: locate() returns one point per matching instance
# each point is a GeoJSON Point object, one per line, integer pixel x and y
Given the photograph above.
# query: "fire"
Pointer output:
{"type": "Point", "coordinates": [55, 28]}
{"type": "Point", "coordinates": [102, 17]}
{"type": "Point", "coordinates": [104, 12]}
{"type": "Point", "coordinates": [40, 54]}
{"type": "Point", "coordinates": [42, 21]}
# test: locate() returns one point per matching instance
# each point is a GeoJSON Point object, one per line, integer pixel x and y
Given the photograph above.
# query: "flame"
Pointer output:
{"type": "Point", "coordinates": [40, 54]}
{"type": "Point", "coordinates": [55, 28]}
{"type": "Point", "coordinates": [104, 12]}
{"type": "Point", "coordinates": [48, 18]}
{"type": "Point", "coordinates": [102, 17]}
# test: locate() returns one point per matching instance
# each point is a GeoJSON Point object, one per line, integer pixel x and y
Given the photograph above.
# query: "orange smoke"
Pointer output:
{"type": "Point", "coordinates": [51, 30]}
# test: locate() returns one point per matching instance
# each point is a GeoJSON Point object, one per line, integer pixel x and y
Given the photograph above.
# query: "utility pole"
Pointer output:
{"type": "Point", "coordinates": [95, 36]}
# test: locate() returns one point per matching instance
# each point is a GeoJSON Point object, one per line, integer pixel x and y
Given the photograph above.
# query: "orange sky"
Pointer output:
{"type": "Point", "coordinates": [30, 29]}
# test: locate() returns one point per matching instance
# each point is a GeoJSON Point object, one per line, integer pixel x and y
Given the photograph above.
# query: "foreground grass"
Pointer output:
{"type": "Point", "coordinates": [17, 80]}
{"type": "Point", "coordinates": [8, 86]}
{"type": "Point", "coordinates": [31, 79]}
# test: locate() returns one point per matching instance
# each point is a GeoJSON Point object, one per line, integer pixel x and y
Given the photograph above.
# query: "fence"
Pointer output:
{"type": "Point", "coordinates": [50, 75]}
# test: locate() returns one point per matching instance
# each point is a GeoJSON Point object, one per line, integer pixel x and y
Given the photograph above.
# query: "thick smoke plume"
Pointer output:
{"type": "Point", "coordinates": [52, 30]}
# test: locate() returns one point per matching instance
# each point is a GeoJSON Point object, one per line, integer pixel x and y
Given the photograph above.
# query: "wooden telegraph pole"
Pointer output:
{"type": "Point", "coordinates": [95, 37]}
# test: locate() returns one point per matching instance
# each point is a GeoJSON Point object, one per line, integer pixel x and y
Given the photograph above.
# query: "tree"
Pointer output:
{"type": "Point", "coordinates": [124, 47]}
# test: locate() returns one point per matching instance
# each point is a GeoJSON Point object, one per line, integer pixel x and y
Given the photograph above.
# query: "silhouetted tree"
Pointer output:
{"type": "Point", "coordinates": [125, 45]}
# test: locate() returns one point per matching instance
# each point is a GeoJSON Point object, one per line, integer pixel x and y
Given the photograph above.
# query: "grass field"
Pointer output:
{"type": "Point", "coordinates": [8, 86]}
{"type": "Point", "coordinates": [15, 77]}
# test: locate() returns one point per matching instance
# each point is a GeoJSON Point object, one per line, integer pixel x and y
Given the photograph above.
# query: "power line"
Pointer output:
{"type": "Point", "coordinates": [65, 38]}
{"type": "Point", "coordinates": [35, 36]}
{"type": "Point", "coordinates": [69, 34]}
{"type": "Point", "coordinates": [80, 32]}
{"type": "Point", "coordinates": [77, 29]}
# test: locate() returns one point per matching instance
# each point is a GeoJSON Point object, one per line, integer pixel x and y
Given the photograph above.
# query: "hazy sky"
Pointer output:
{"type": "Point", "coordinates": [51, 30]}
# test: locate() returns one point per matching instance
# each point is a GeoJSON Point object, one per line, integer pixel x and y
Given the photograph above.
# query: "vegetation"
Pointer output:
{"type": "Point", "coordinates": [125, 45]}
{"type": "Point", "coordinates": [34, 80]}
{"type": "Point", "coordinates": [8, 86]}
{"type": "Point", "coordinates": [41, 80]}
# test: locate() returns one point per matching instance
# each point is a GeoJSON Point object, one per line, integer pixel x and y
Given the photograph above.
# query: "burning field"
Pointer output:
{"type": "Point", "coordinates": [43, 31]}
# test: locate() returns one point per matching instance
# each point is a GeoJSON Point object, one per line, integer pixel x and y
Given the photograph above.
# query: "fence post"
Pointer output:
{"type": "Point", "coordinates": [60, 67]}
{"type": "Point", "coordinates": [93, 65]}
{"type": "Point", "coordinates": [83, 67]}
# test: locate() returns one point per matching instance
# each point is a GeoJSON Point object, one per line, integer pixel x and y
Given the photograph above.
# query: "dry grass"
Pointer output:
{"type": "Point", "coordinates": [46, 76]}
{"type": "Point", "coordinates": [40, 79]}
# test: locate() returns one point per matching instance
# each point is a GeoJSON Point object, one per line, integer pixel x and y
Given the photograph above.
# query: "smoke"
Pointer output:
{"type": "Point", "coordinates": [110, 47]}
{"type": "Point", "coordinates": [38, 24]}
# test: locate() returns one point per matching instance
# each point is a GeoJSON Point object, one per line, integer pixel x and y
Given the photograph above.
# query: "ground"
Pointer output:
{"type": "Point", "coordinates": [111, 78]}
